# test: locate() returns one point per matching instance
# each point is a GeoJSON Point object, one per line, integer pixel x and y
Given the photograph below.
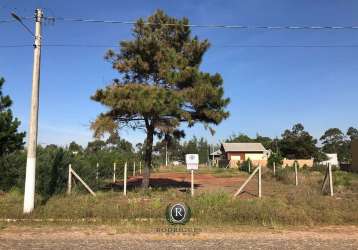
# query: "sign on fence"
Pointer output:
{"type": "Point", "coordinates": [192, 161]}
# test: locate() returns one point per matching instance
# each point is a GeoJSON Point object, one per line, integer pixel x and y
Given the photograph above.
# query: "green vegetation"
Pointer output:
{"type": "Point", "coordinates": [246, 166]}
{"type": "Point", "coordinates": [10, 140]}
{"type": "Point", "coordinates": [176, 151]}
{"type": "Point", "coordinates": [335, 141]}
{"type": "Point", "coordinates": [160, 85]}
{"type": "Point", "coordinates": [296, 143]}
{"type": "Point", "coordinates": [282, 204]}
{"type": "Point", "coordinates": [53, 162]}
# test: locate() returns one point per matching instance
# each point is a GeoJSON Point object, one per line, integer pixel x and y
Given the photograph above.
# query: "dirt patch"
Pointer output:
{"type": "Point", "coordinates": [202, 182]}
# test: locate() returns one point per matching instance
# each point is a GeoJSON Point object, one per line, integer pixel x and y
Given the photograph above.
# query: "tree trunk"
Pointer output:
{"type": "Point", "coordinates": [148, 156]}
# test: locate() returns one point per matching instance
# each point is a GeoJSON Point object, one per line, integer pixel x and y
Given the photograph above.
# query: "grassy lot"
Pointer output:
{"type": "Point", "coordinates": [283, 204]}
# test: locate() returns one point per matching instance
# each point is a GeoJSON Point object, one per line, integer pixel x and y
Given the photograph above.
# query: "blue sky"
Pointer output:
{"type": "Point", "coordinates": [270, 88]}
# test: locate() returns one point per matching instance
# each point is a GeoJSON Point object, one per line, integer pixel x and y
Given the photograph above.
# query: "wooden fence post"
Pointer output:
{"type": "Point", "coordinates": [97, 173]}
{"type": "Point", "coordinates": [259, 182]}
{"type": "Point", "coordinates": [330, 179]}
{"type": "Point", "coordinates": [192, 183]}
{"type": "Point", "coordinates": [83, 183]}
{"type": "Point", "coordinates": [296, 177]}
{"type": "Point", "coordinates": [134, 168]}
{"type": "Point", "coordinates": [125, 180]}
{"type": "Point", "coordinates": [328, 176]}
{"type": "Point", "coordinates": [69, 183]}
{"type": "Point", "coordinates": [114, 172]}
{"type": "Point", "coordinates": [247, 181]}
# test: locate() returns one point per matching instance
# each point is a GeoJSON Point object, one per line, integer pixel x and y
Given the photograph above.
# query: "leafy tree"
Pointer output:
{"type": "Point", "coordinates": [240, 138]}
{"type": "Point", "coordinates": [267, 142]}
{"type": "Point", "coordinates": [12, 170]}
{"type": "Point", "coordinates": [95, 146]}
{"type": "Point", "coordinates": [275, 158]}
{"type": "Point", "coordinates": [352, 133]}
{"type": "Point", "coordinates": [10, 139]}
{"type": "Point", "coordinates": [332, 140]}
{"type": "Point", "coordinates": [52, 170]}
{"type": "Point", "coordinates": [173, 147]}
{"type": "Point", "coordinates": [346, 154]}
{"type": "Point", "coordinates": [298, 144]}
{"type": "Point", "coordinates": [335, 141]}
{"type": "Point", "coordinates": [264, 140]}
{"type": "Point", "coordinates": [74, 147]}
{"type": "Point", "coordinates": [160, 84]}
{"type": "Point", "coordinates": [114, 142]}
{"type": "Point", "coordinates": [197, 146]}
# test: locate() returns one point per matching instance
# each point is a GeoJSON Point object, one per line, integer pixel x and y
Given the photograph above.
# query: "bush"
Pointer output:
{"type": "Point", "coordinates": [12, 170]}
{"type": "Point", "coordinates": [52, 169]}
{"type": "Point", "coordinates": [275, 157]}
{"type": "Point", "coordinates": [244, 166]}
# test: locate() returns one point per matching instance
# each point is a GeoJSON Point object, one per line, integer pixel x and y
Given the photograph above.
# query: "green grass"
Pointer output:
{"type": "Point", "coordinates": [283, 204]}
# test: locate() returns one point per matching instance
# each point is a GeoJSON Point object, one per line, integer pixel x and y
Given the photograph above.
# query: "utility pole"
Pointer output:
{"type": "Point", "coordinates": [29, 198]}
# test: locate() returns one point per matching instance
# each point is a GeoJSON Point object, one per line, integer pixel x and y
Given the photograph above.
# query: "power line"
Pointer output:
{"type": "Point", "coordinates": [6, 21]}
{"type": "Point", "coordinates": [214, 46]}
{"type": "Point", "coordinates": [225, 26]}
{"type": "Point", "coordinates": [16, 46]}
{"type": "Point", "coordinates": [289, 46]}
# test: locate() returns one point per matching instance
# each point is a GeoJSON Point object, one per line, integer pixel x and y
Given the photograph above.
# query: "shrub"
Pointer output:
{"type": "Point", "coordinates": [244, 166]}
{"type": "Point", "coordinates": [275, 157]}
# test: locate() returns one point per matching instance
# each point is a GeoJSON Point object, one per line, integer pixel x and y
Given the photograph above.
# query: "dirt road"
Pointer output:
{"type": "Point", "coordinates": [109, 238]}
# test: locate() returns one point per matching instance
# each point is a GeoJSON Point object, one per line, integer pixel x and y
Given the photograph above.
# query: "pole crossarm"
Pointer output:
{"type": "Point", "coordinates": [257, 170]}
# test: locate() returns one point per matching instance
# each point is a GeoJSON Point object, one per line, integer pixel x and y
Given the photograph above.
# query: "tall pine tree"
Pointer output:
{"type": "Point", "coordinates": [10, 139]}
{"type": "Point", "coordinates": [160, 84]}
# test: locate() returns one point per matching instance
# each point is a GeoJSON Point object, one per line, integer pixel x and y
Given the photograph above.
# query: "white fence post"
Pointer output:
{"type": "Point", "coordinates": [134, 168]}
{"type": "Point", "coordinates": [249, 166]}
{"type": "Point", "coordinates": [192, 183]}
{"type": "Point", "coordinates": [69, 184]}
{"type": "Point", "coordinates": [140, 168]}
{"type": "Point", "coordinates": [114, 172]}
{"type": "Point", "coordinates": [125, 180]}
{"type": "Point", "coordinates": [330, 179]}
{"type": "Point", "coordinates": [296, 177]}
{"type": "Point", "coordinates": [83, 183]}
{"type": "Point", "coordinates": [274, 168]}
{"type": "Point", "coordinates": [247, 181]}
{"type": "Point", "coordinates": [97, 173]}
{"type": "Point", "coordinates": [259, 182]}
{"type": "Point", "coordinates": [328, 176]}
